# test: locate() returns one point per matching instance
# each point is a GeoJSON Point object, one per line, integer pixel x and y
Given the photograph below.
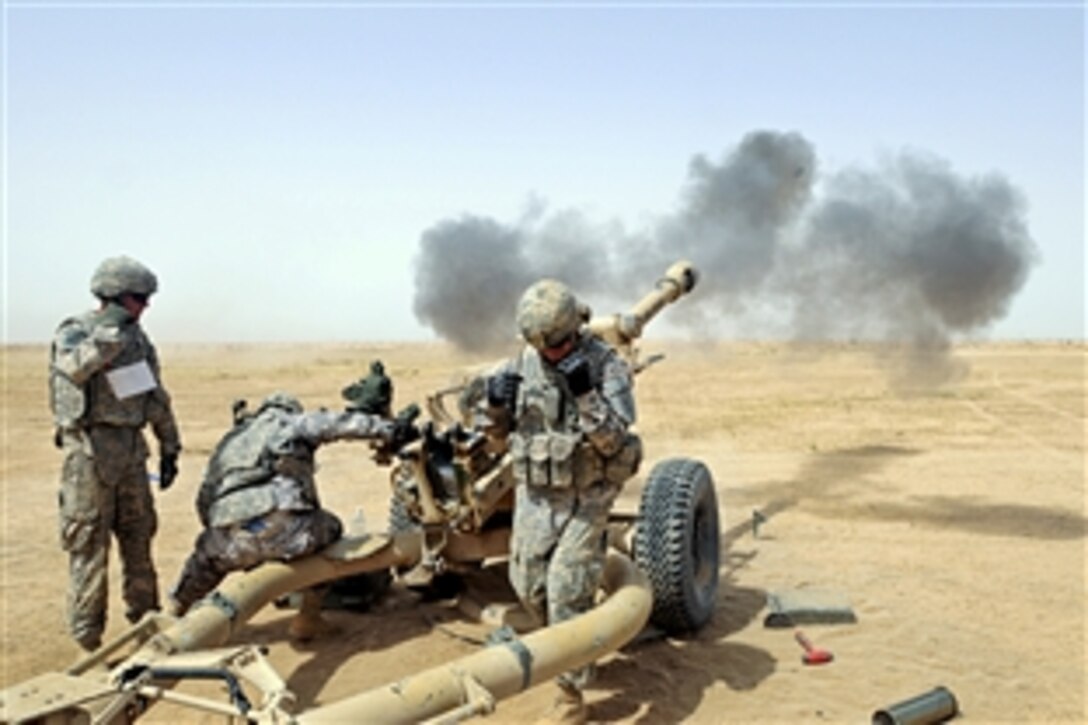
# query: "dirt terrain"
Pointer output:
{"type": "Point", "coordinates": [951, 518]}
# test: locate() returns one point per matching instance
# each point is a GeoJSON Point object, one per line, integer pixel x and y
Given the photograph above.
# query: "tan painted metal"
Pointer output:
{"type": "Point", "coordinates": [621, 330]}
{"type": "Point", "coordinates": [468, 686]}
{"type": "Point", "coordinates": [211, 622]}
{"type": "Point", "coordinates": [506, 669]}
{"type": "Point", "coordinates": [239, 598]}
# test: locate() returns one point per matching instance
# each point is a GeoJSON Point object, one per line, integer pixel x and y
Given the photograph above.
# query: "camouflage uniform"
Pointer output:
{"type": "Point", "coordinates": [571, 455]}
{"type": "Point", "coordinates": [104, 483]}
{"type": "Point", "coordinates": [258, 500]}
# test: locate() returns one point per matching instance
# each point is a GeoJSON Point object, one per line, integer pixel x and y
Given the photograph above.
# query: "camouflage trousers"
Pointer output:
{"type": "Point", "coordinates": [557, 553]}
{"type": "Point", "coordinates": [276, 536]}
{"type": "Point", "coordinates": [104, 491]}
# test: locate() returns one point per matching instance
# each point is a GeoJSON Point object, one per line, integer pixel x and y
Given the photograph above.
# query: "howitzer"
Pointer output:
{"type": "Point", "coordinates": [450, 512]}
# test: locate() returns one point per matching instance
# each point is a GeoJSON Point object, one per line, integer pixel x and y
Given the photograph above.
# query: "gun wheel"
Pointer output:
{"type": "Point", "coordinates": [677, 542]}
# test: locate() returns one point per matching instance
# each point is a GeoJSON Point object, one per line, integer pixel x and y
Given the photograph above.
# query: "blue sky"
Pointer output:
{"type": "Point", "coordinates": [277, 164]}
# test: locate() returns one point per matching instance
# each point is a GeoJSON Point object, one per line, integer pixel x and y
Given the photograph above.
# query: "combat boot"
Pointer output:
{"type": "Point", "coordinates": [569, 708]}
{"type": "Point", "coordinates": [308, 624]}
{"type": "Point", "coordinates": [88, 642]}
{"type": "Point", "coordinates": [175, 608]}
{"type": "Point", "coordinates": [306, 627]}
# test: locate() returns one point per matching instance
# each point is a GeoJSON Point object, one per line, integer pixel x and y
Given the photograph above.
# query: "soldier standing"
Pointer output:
{"type": "Point", "coordinates": [105, 387]}
{"type": "Point", "coordinates": [258, 501]}
{"type": "Point", "coordinates": [565, 405]}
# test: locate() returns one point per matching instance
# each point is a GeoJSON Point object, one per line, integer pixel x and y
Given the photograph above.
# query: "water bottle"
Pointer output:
{"type": "Point", "coordinates": [357, 527]}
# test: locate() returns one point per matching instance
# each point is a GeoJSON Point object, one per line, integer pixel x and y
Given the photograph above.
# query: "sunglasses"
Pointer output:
{"type": "Point", "coordinates": [558, 348]}
{"type": "Point", "coordinates": [139, 298]}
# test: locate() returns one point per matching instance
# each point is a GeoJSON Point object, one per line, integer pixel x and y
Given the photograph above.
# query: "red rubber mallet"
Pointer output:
{"type": "Point", "coordinates": [813, 655]}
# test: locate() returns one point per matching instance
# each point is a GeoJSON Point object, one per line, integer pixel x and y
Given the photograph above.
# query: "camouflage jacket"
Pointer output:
{"type": "Point", "coordinates": [83, 355]}
{"type": "Point", "coordinates": [558, 440]}
{"type": "Point", "coordinates": [266, 462]}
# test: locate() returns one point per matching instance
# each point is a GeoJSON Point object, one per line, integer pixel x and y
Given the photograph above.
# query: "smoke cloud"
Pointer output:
{"type": "Point", "coordinates": [907, 252]}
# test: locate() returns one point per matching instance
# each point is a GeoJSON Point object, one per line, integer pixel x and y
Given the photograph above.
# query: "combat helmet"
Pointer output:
{"type": "Point", "coordinates": [282, 400]}
{"type": "Point", "coordinates": [549, 313]}
{"type": "Point", "coordinates": [119, 275]}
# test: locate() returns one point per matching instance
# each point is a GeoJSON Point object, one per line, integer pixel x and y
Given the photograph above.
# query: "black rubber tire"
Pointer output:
{"type": "Point", "coordinates": [677, 542]}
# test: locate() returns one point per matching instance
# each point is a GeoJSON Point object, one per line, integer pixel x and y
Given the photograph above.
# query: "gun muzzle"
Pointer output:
{"type": "Point", "coordinates": [624, 328]}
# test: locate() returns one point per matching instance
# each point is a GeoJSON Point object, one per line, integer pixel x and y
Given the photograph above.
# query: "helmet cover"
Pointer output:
{"type": "Point", "coordinates": [116, 276]}
{"type": "Point", "coordinates": [280, 399]}
{"type": "Point", "coordinates": [548, 313]}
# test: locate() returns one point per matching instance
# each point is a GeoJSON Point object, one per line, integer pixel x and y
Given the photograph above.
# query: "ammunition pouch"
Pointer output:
{"type": "Point", "coordinates": [545, 460]}
{"type": "Point", "coordinates": [591, 466]}
{"type": "Point", "coordinates": [558, 460]}
{"type": "Point", "coordinates": [624, 464]}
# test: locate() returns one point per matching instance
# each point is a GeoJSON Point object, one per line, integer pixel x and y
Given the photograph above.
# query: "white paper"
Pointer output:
{"type": "Point", "coordinates": [131, 380]}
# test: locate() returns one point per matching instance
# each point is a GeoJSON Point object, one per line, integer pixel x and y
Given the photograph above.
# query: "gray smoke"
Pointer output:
{"type": "Point", "coordinates": [471, 271]}
{"type": "Point", "coordinates": [909, 253]}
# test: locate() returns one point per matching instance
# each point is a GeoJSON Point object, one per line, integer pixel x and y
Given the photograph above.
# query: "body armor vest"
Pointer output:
{"type": "Point", "coordinates": [251, 455]}
{"type": "Point", "coordinates": [94, 401]}
{"type": "Point", "coordinates": [547, 445]}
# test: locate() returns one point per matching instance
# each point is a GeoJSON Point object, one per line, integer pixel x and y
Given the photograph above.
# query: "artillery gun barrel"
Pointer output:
{"type": "Point", "coordinates": [504, 669]}
{"type": "Point", "coordinates": [624, 328]}
{"type": "Point", "coordinates": [240, 597]}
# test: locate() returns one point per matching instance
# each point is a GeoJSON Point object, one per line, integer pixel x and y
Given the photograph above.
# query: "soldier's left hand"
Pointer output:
{"type": "Point", "coordinates": [575, 369]}
{"type": "Point", "coordinates": [404, 428]}
{"type": "Point", "coordinates": [168, 471]}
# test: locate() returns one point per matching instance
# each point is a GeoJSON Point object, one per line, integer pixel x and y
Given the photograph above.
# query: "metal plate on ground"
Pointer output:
{"type": "Point", "coordinates": [791, 607]}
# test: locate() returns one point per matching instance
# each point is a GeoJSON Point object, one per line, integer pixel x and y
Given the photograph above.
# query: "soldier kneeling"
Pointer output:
{"type": "Point", "coordinates": [258, 501]}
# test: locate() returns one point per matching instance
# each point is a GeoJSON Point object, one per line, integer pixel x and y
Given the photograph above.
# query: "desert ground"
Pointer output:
{"type": "Point", "coordinates": [951, 518]}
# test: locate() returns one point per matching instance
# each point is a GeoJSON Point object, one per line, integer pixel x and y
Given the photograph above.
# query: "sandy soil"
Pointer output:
{"type": "Point", "coordinates": [953, 520]}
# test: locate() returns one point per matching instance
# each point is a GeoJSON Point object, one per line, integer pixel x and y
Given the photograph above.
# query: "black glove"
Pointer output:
{"type": "Point", "coordinates": [575, 370]}
{"type": "Point", "coordinates": [114, 315]}
{"type": "Point", "coordinates": [239, 411]}
{"type": "Point", "coordinates": [502, 391]}
{"type": "Point", "coordinates": [168, 471]}
{"type": "Point", "coordinates": [404, 428]}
